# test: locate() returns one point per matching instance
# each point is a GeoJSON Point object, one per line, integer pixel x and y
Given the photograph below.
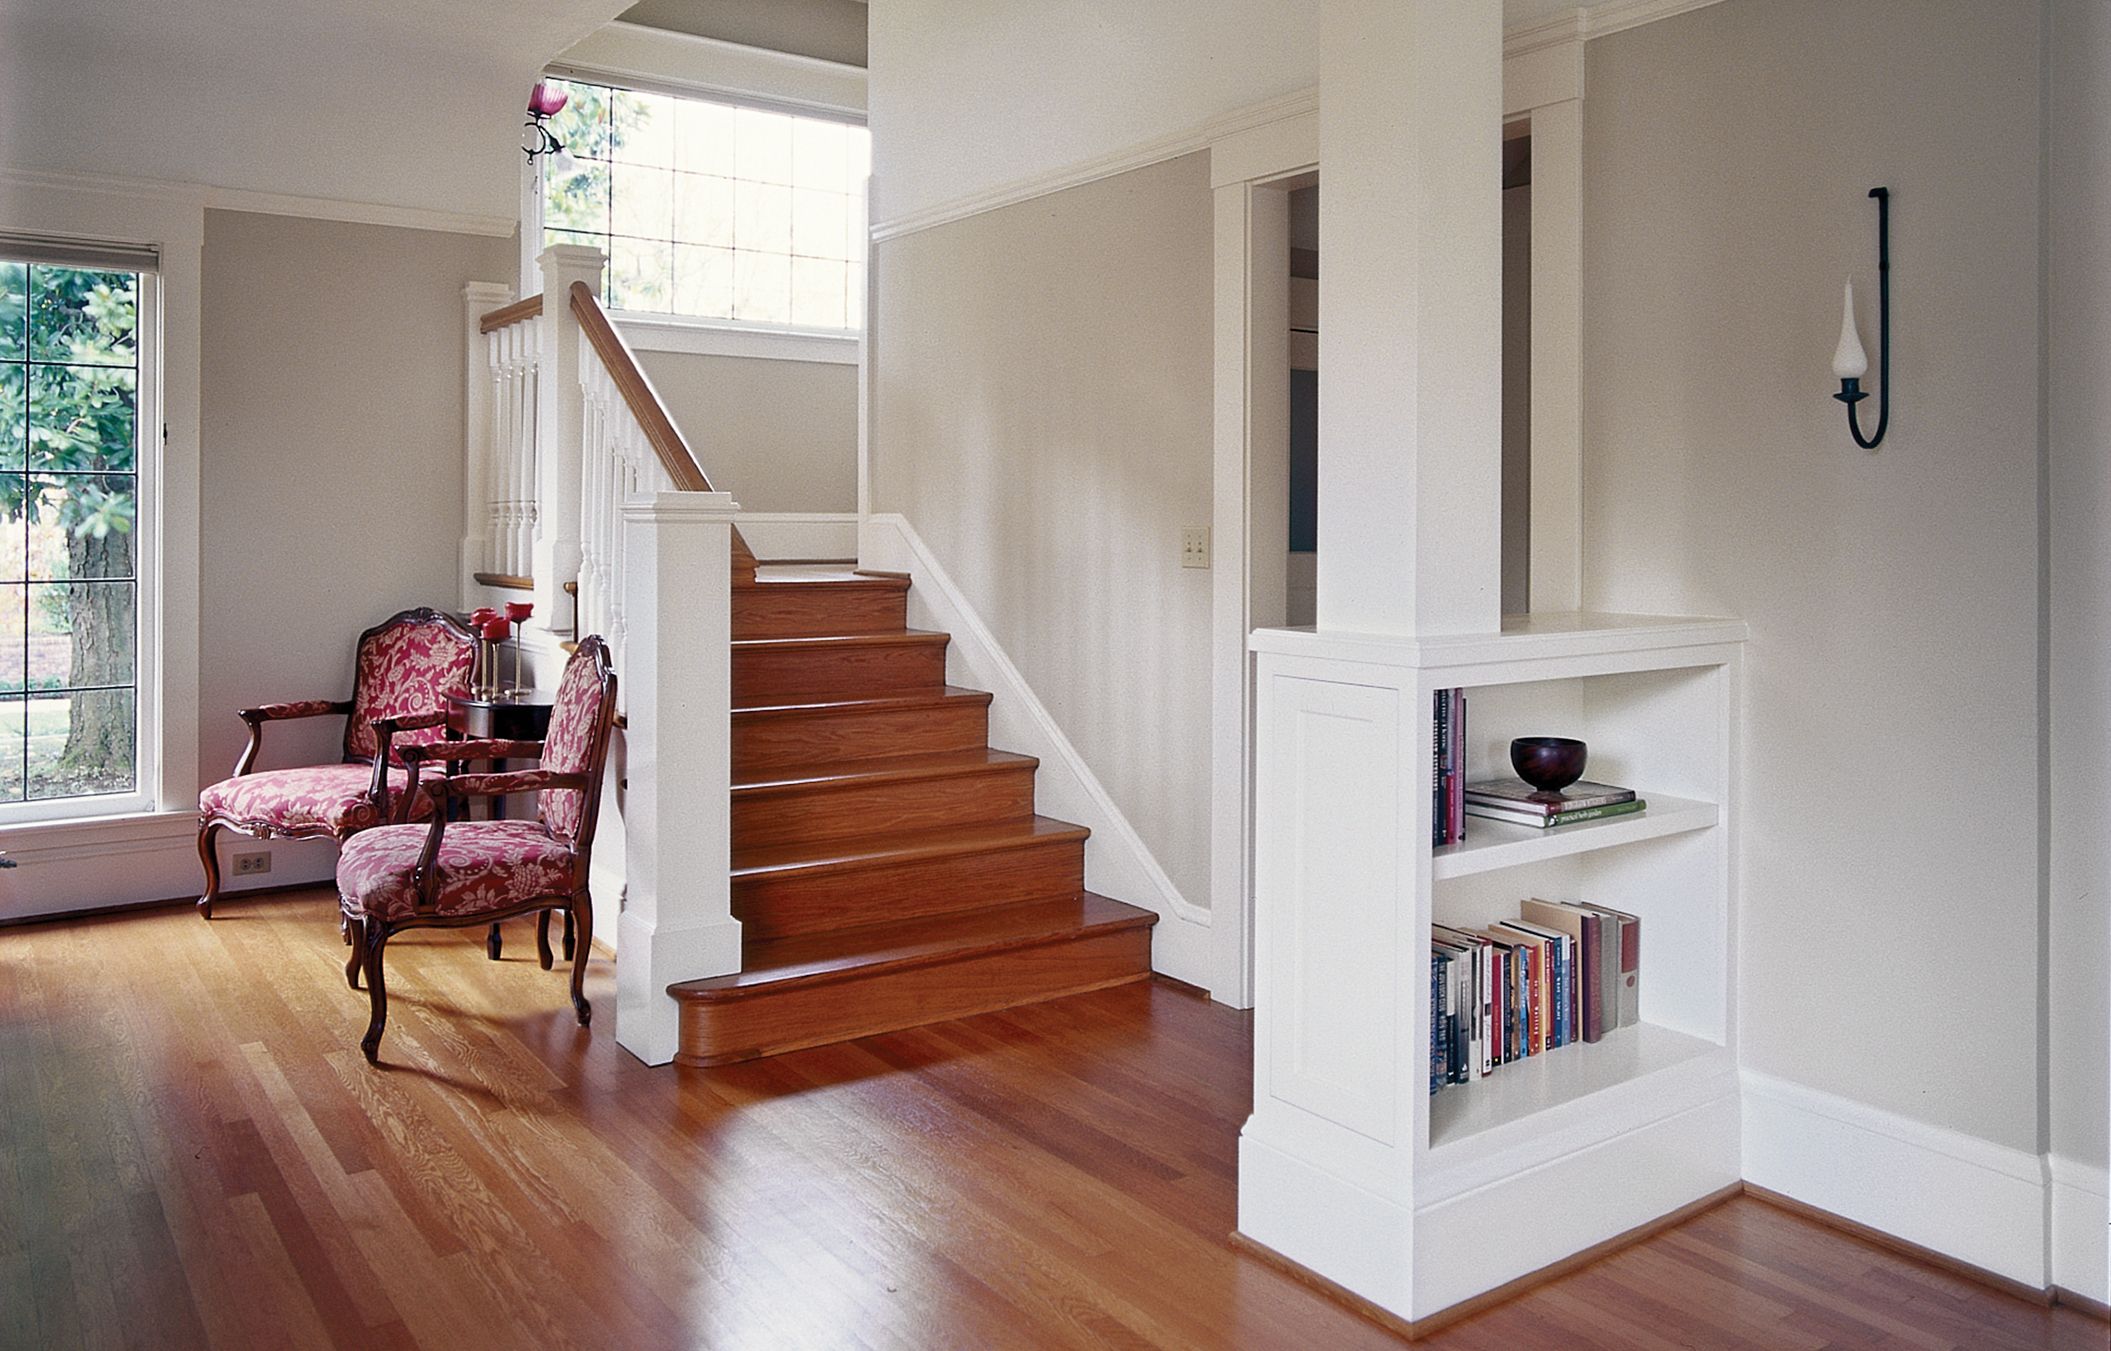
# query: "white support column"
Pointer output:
{"type": "Point", "coordinates": [478, 299]}
{"type": "Point", "coordinates": [559, 428]}
{"type": "Point", "coordinates": [1410, 436]}
{"type": "Point", "coordinates": [677, 922]}
{"type": "Point", "coordinates": [1557, 356]}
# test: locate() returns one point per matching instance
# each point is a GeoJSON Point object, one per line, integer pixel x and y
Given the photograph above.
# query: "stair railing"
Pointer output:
{"type": "Point", "coordinates": [579, 479]}
{"type": "Point", "coordinates": [505, 365]}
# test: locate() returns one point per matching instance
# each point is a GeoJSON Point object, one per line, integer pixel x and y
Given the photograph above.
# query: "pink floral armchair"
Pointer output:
{"type": "Point", "coordinates": [404, 670]}
{"type": "Point", "coordinates": [458, 874]}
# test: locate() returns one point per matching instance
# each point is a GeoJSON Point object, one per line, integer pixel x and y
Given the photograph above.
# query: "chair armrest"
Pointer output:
{"type": "Point", "coordinates": [301, 708]}
{"type": "Point", "coordinates": [498, 785]}
{"type": "Point", "coordinates": [385, 730]}
{"type": "Point", "coordinates": [455, 752]}
{"type": "Point", "coordinates": [263, 713]}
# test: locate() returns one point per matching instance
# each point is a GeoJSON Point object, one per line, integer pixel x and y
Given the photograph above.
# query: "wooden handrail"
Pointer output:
{"type": "Point", "coordinates": [667, 440]}
{"type": "Point", "coordinates": [527, 307]}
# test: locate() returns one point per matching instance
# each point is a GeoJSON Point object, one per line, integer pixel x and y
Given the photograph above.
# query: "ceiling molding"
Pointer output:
{"type": "Point", "coordinates": [1138, 156]}
{"type": "Point", "coordinates": [205, 196]}
{"type": "Point", "coordinates": [1593, 21]}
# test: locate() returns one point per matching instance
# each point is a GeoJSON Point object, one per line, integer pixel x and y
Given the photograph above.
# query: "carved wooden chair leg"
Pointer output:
{"type": "Point", "coordinates": [583, 906]}
{"type": "Point", "coordinates": [494, 945]}
{"type": "Point", "coordinates": [542, 939]}
{"type": "Point", "coordinates": [210, 857]}
{"type": "Point", "coordinates": [373, 939]}
{"type": "Point", "coordinates": [356, 936]}
{"type": "Point", "coordinates": [568, 935]}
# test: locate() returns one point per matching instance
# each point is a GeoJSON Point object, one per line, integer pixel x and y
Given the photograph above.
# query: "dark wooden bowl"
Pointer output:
{"type": "Point", "coordinates": [1548, 763]}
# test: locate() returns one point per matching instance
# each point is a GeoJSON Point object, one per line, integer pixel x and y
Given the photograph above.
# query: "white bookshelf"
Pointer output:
{"type": "Point", "coordinates": [1349, 1166]}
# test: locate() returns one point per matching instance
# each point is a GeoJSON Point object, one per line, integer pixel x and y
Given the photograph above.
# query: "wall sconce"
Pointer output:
{"type": "Point", "coordinates": [1849, 362]}
{"type": "Point", "coordinates": [537, 140]}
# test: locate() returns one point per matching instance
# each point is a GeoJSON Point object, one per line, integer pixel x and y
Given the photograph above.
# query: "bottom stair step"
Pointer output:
{"type": "Point", "coordinates": [815, 989]}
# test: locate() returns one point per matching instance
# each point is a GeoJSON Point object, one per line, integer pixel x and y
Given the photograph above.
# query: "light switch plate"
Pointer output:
{"type": "Point", "coordinates": [1194, 547]}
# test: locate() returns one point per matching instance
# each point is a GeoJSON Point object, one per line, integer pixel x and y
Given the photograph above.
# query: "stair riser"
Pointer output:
{"type": "Point", "coordinates": [778, 674]}
{"type": "Point", "coordinates": [777, 906]}
{"type": "Point", "coordinates": [778, 610]}
{"type": "Point", "coordinates": [720, 1032]}
{"type": "Point", "coordinates": [784, 740]}
{"type": "Point", "coordinates": [835, 813]}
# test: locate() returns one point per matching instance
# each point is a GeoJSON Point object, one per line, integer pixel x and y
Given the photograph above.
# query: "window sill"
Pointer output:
{"type": "Point", "coordinates": [119, 832]}
{"type": "Point", "coordinates": [702, 337]}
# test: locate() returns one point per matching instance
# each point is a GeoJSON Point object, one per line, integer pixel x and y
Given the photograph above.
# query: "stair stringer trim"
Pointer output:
{"type": "Point", "coordinates": [1118, 864]}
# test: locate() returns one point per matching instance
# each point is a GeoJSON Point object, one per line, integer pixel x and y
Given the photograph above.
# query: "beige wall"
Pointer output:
{"type": "Point", "coordinates": [2079, 329]}
{"type": "Point", "coordinates": [778, 435]}
{"type": "Point", "coordinates": [331, 448]}
{"type": "Point", "coordinates": [1890, 907]}
{"type": "Point", "coordinates": [969, 95]}
{"type": "Point", "coordinates": [1044, 424]}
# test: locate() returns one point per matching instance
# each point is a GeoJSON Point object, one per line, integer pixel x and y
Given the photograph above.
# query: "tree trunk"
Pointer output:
{"type": "Point", "coordinates": [99, 729]}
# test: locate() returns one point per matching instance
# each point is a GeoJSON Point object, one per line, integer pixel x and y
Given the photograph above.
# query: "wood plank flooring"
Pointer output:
{"type": "Point", "coordinates": [193, 1153]}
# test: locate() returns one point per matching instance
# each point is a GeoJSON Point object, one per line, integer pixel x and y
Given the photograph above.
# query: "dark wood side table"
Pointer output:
{"type": "Point", "coordinates": [508, 717]}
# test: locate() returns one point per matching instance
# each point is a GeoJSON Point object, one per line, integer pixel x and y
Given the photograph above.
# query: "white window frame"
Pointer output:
{"type": "Point", "coordinates": [173, 221]}
{"type": "Point", "coordinates": [146, 554]}
{"type": "Point", "coordinates": [652, 60]}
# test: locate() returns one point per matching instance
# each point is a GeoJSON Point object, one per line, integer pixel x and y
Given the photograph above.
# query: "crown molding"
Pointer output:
{"type": "Point", "coordinates": [1593, 21]}
{"type": "Point", "coordinates": [206, 196]}
{"type": "Point", "coordinates": [1138, 156]}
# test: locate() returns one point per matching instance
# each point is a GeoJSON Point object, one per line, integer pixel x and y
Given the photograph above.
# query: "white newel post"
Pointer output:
{"type": "Point", "coordinates": [677, 922]}
{"type": "Point", "coordinates": [478, 299]}
{"type": "Point", "coordinates": [559, 424]}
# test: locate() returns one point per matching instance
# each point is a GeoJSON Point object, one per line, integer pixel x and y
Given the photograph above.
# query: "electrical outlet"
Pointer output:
{"type": "Point", "coordinates": [1194, 547]}
{"type": "Point", "coordinates": [253, 864]}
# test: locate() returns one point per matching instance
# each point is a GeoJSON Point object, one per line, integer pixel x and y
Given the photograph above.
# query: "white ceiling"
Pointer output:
{"type": "Point", "coordinates": [401, 102]}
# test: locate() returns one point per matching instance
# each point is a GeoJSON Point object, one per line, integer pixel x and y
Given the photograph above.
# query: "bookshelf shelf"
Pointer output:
{"type": "Point", "coordinates": [1621, 1065]}
{"type": "Point", "coordinates": [1349, 1165]}
{"type": "Point", "coordinates": [1490, 845]}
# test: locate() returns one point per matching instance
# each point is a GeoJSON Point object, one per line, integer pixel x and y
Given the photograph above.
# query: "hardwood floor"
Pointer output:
{"type": "Point", "coordinates": [192, 1152]}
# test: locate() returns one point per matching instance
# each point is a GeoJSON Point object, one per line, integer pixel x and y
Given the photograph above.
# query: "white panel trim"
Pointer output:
{"type": "Point", "coordinates": [699, 337]}
{"type": "Point", "coordinates": [656, 59]}
{"type": "Point", "coordinates": [1617, 16]}
{"type": "Point", "coordinates": [2081, 1228]}
{"type": "Point", "coordinates": [1982, 1203]}
{"type": "Point", "coordinates": [206, 196]}
{"type": "Point", "coordinates": [1138, 156]}
{"type": "Point", "coordinates": [1118, 863]}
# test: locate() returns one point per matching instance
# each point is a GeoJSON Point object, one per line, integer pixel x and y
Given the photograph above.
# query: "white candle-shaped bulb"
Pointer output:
{"type": "Point", "coordinates": [1849, 361]}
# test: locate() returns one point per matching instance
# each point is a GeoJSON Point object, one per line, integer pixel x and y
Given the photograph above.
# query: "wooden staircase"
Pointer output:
{"type": "Point", "coordinates": [888, 867]}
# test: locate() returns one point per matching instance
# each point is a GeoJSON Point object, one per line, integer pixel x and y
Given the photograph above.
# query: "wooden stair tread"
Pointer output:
{"type": "Point", "coordinates": [821, 958]}
{"type": "Point", "coordinates": [833, 641]}
{"type": "Point", "coordinates": [890, 769]}
{"type": "Point", "coordinates": [825, 577]}
{"type": "Point", "coordinates": [938, 698]}
{"type": "Point", "coordinates": [902, 847]}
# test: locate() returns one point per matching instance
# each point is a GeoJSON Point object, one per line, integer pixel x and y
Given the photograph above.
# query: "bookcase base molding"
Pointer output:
{"type": "Point", "coordinates": [1355, 1165]}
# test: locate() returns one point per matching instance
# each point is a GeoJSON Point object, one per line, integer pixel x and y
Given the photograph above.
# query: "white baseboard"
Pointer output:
{"type": "Point", "coordinates": [2081, 1228]}
{"type": "Point", "coordinates": [1981, 1203]}
{"type": "Point", "coordinates": [62, 867]}
{"type": "Point", "coordinates": [1117, 862]}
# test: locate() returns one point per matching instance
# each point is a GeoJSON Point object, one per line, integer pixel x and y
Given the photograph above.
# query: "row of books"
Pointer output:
{"type": "Point", "coordinates": [1519, 803]}
{"type": "Point", "coordinates": [1448, 782]}
{"type": "Point", "coordinates": [1558, 974]}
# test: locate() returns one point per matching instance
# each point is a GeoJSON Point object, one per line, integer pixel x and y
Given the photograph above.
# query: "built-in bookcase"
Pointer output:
{"type": "Point", "coordinates": [1348, 1158]}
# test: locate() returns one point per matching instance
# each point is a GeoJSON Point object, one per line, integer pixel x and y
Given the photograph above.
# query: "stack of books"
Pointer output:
{"type": "Point", "coordinates": [1448, 782]}
{"type": "Point", "coordinates": [1558, 974]}
{"type": "Point", "coordinates": [1519, 802]}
